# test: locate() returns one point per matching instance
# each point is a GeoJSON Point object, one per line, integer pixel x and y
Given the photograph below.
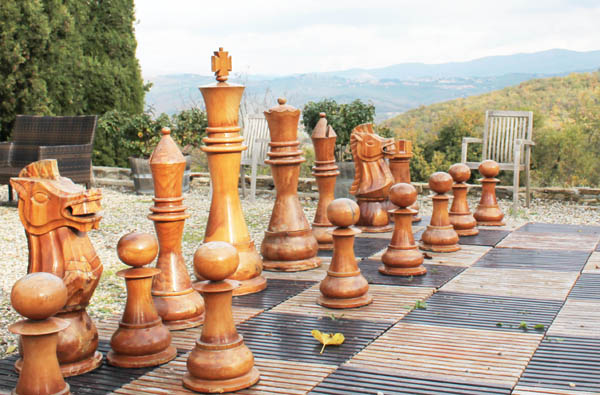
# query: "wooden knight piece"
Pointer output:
{"type": "Point", "coordinates": [440, 235]}
{"type": "Point", "coordinates": [289, 244]}
{"type": "Point", "coordinates": [223, 147]}
{"type": "Point", "coordinates": [57, 214]}
{"type": "Point", "coordinates": [372, 177]}
{"type": "Point", "coordinates": [37, 297]}
{"type": "Point", "coordinates": [344, 286]}
{"type": "Point", "coordinates": [141, 339]}
{"type": "Point", "coordinates": [177, 303]}
{"type": "Point", "coordinates": [399, 164]}
{"type": "Point", "coordinates": [220, 361]}
{"type": "Point", "coordinates": [460, 215]}
{"type": "Point", "coordinates": [325, 172]}
{"type": "Point", "coordinates": [488, 212]}
{"type": "Point", "coordinates": [402, 257]}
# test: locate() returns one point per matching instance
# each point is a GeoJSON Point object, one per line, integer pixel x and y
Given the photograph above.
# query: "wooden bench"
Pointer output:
{"type": "Point", "coordinates": [69, 140]}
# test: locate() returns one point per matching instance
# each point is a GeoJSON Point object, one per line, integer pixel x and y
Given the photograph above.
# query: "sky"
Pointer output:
{"type": "Point", "coordinates": [281, 37]}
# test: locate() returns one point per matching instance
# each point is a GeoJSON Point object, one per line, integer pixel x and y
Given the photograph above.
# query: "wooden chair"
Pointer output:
{"type": "Point", "coordinates": [69, 140]}
{"type": "Point", "coordinates": [507, 139]}
{"type": "Point", "coordinates": [256, 137]}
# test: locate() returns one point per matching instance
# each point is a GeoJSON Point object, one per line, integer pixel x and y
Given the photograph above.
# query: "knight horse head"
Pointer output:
{"type": "Point", "coordinates": [372, 176]}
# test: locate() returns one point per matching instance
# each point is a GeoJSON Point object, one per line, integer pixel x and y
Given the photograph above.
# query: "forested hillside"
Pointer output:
{"type": "Point", "coordinates": [566, 128]}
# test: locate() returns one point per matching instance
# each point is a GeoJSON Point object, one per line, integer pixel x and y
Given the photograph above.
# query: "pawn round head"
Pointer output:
{"type": "Point", "coordinates": [216, 260]}
{"type": "Point", "coordinates": [403, 195]}
{"type": "Point", "coordinates": [489, 168]}
{"type": "Point", "coordinates": [460, 172]}
{"type": "Point", "coordinates": [343, 212]}
{"type": "Point", "coordinates": [38, 296]}
{"type": "Point", "coordinates": [440, 182]}
{"type": "Point", "coordinates": [137, 249]}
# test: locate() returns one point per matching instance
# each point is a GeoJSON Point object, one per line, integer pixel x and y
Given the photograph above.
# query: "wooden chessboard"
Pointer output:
{"type": "Point", "coordinates": [515, 311]}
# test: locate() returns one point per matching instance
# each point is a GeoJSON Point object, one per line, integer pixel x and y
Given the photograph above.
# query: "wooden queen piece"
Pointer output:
{"type": "Point", "coordinates": [223, 146]}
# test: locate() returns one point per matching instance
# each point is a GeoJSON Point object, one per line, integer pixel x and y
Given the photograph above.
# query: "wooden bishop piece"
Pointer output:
{"type": "Point", "coordinates": [460, 215]}
{"type": "Point", "coordinates": [488, 212]}
{"type": "Point", "coordinates": [440, 235]}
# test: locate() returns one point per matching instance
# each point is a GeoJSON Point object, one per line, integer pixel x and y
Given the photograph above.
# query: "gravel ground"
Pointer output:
{"type": "Point", "coordinates": [123, 212]}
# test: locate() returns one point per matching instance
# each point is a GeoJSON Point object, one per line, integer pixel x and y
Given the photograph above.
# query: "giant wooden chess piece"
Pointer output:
{"type": "Point", "coordinates": [223, 146]}
{"type": "Point", "coordinates": [141, 339]}
{"type": "Point", "coordinates": [220, 361]}
{"type": "Point", "coordinates": [460, 215]}
{"type": "Point", "coordinates": [177, 303]}
{"type": "Point", "coordinates": [372, 177]}
{"type": "Point", "coordinates": [289, 244]}
{"type": "Point", "coordinates": [325, 172]}
{"type": "Point", "coordinates": [402, 257]}
{"type": "Point", "coordinates": [440, 235]}
{"type": "Point", "coordinates": [400, 167]}
{"type": "Point", "coordinates": [344, 286]}
{"type": "Point", "coordinates": [38, 296]}
{"type": "Point", "coordinates": [57, 214]}
{"type": "Point", "coordinates": [488, 212]}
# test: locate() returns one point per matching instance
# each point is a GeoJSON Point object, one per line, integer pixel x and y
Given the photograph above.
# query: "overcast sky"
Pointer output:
{"type": "Point", "coordinates": [285, 37]}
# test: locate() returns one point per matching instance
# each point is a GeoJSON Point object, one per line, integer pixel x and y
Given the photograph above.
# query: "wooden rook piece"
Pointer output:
{"type": "Point", "coordinates": [39, 296]}
{"type": "Point", "coordinates": [460, 215]}
{"type": "Point", "coordinates": [399, 164]}
{"type": "Point", "coordinates": [372, 177]}
{"type": "Point", "coordinates": [325, 172]}
{"type": "Point", "coordinates": [177, 303]}
{"type": "Point", "coordinates": [141, 339]}
{"type": "Point", "coordinates": [440, 235]}
{"type": "Point", "coordinates": [488, 212]}
{"type": "Point", "coordinates": [223, 147]}
{"type": "Point", "coordinates": [220, 361]}
{"type": "Point", "coordinates": [289, 244]}
{"type": "Point", "coordinates": [57, 214]}
{"type": "Point", "coordinates": [403, 258]}
{"type": "Point", "coordinates": [344, 287]}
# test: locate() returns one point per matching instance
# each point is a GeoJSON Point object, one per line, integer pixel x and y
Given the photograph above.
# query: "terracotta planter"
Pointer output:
{"type": "Point", "coordinates": [142, 175]}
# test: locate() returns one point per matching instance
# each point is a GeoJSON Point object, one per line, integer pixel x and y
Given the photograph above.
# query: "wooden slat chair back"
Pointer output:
{"type": "Point", "coordinates": [256, 137]}
{"type": "Point", "coordinates": [507, 139]}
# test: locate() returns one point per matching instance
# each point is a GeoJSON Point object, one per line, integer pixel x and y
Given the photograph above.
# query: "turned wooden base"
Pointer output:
{"type": "Point", "coordinates": [180, 311]}
{"type": "Point", "coordinates": [467, 232]}
{"type": "Point", "coordinates": [64, 391]}
{"type": "Point", "coordinates": [250, 286]}
{"type": "Point", "coordinates": [324, 238]}
{"type": "Point", "coordinates": [335, 303]}
{"type": "Point", "coordinates": [178, 325]}
{"type": "Point", "coordinates": [402, 271]}
{"type": "Point", "coordinates": [375, 229]}
{"type": "Point", "coordinates": [220, 386]}
{"type": "Point", "coordinates": [439, 248]}
{"type": "Point", "coordinates": [326, 247]}
{"type": "Point", "coordinates": [74, 368]}
{"type": "Point", "coordinates": [141, 361]}
{"type": "Point", "coordinates": [292, 266]}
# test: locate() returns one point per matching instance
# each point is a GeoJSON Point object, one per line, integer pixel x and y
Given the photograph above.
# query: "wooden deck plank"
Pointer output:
{"type": "Point", "coordinates": [525, 390]}
{"type": "Point", "coordinates": [577, 318]}
{"type": "Point", "coordinates": [593, 264]}
{"type": "Point", "coordinates": [550, 240]}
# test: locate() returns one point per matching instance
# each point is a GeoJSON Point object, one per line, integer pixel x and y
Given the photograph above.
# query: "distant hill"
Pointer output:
{"type": "Point", "coordinates": [393, 89]}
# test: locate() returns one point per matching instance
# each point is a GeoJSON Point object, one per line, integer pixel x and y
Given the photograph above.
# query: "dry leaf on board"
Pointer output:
{"type": "Point", "coordinates": [327, 339]}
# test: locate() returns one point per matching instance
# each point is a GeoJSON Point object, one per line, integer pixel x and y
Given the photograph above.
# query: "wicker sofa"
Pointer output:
{"type": "Point", "coordinates": [69, 140]}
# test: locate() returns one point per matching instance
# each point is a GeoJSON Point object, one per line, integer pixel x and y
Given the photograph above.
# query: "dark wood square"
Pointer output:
{"type": "Point", "coordinates": [436, 276]}
{"type": "Point", "coordinates": [364, 247]}
{"type": "Point", "coordinates": [486, 237]}
{"type": "Point", "coordinates": [586, 287]}
{"type": "Point", "coordinates": [277, 291]}
{"type": "Point", "coordinates": [517, 258]}
{"type": "Point", "coordinates": [559, 228]}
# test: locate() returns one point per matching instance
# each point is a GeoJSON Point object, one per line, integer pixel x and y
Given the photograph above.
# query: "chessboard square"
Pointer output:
{"type": "Point", "coordinates": [450, 309]}
{"type": "Point", "coordinates": [518, 258]}
{"type": "Point", "coordinates": [435, 352]}
{"type": "Point", "coordinates": [282, 336]}
{"type": "Point", "coordinates": [550, 240]}
{"type": "Point", "coordinates": [559, 228]}
{"type": "Point", "coordinates": [586, 287]}
{"type": "Point", "coordinates": [277, 291]}
{"type": "Point", "coordinates": [390, 304]}
{"type": "Point", "coordinates": [565, 363]}
{"type": "Point", "coordinates": [436, 276]}
{"type": "Point", "coordinates": [526, 390]}
{"type": "Point", "coordinates": [364, 247]}
{"type": "Point", "coordinates": [374, 382]}
{"type": "Point", "coordinates": [485, 237]}
{"type": "Point", "coordinates": [577, 318]}
{"type": "Point", "coordinates": [535, 284]}
{"type": "Point", "coordinates": [593, 264]}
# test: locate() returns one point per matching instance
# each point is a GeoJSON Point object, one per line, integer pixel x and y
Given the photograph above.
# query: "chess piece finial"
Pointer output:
{"type": "Point", "coordinates": [488, 211]}
{"type": "Point", "coordinates": [460, 215]}
{"type": "Point", "coordinates": [39, 296]}
{"type": "Point", "coordinates": [399, 164]}
{"type": "Point", "coordinates": [402, 257]}
{"type": "Point", "coordinates": [440, 235]}
{"type": "Point", "coordinates": [325, 171]}
{"type": "Point", "coordinates": [289, 244]}
{"type": "Point", "coordinates": [220, 361]}
{"type": "Point", "coordinates": [141, 339]}
{"type": "Point", "coordinates": [221, 64]}
{"type": "Point", "coordinates": [344, 286]}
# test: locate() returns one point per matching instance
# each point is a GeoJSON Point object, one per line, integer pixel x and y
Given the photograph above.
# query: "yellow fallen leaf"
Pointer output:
{"type": "Point", "coordinates": [327, 339]}
{"type": "Point", "coordinates": [11, 349]}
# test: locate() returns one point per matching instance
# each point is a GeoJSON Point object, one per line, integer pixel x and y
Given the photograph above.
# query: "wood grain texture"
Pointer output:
{"type": "Point", "coordinates": [525, 390]}
{"type": "Point", "coordinates": [550, 240]}
{"type": "Point", "coordinates": [577, 318]}
{"type": "Point", "coordinates": [593, 264]}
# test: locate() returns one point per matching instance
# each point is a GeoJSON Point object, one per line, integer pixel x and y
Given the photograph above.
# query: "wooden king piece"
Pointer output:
{"type": "Point", "coordinates": [223, 146]}
{"type": "Point", "coordinates": [488, 212]}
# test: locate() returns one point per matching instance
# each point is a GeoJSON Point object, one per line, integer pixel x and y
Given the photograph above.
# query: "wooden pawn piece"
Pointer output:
{"type": "Point", "coordinates": [220, 361]}
{"type": "Point", "coordinates": [402, 257]}
{"type": "Point", "coordinates": [141, 339]}
{"type": "Point", "coordinates": [344, 287]}
{"type": "Point", "coordinates": [440, 235]}
{"type": "Point", "coordinates": [460, 215]}
{"type": "Point", "coordinates": [488, 212]}
{"type": "Point", "coordinates": [39, 296]}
